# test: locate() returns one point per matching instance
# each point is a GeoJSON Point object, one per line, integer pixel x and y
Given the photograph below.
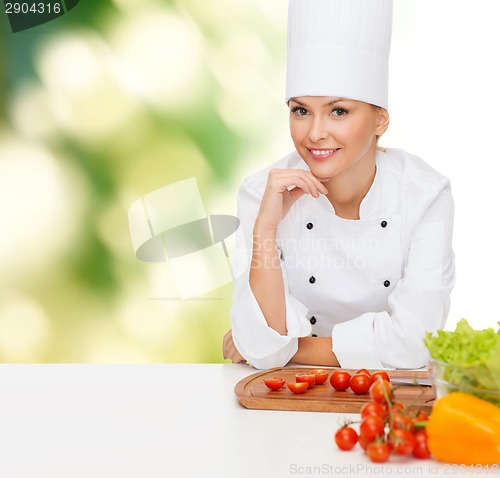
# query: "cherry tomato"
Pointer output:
{"type": "Point", "coordinates": [363, 370]}
{"type": "Point", "coordinates": [381, 391]}
{"type": "Point", "coordinates": [401, 441]}
{"type": "Point", "coordinates": [420, 420]}
{"type": "Point", "coordinates": [339, 380]}
{"type": "Point", "coordinates": [421, 450]}
{"type": "Point", "coordinates": [402, 422]}
{"type": "Point", "coordinates": [380, 374]}
{"type": "Point", "coordinates": [346, 438]}
{"type": "Point", "coordinates": [394, 407]}
{"type": "Point", "coordinates": [298, 387]}
{"type": "Point", "coordinates": [308, 378]}
{"type": "Point", "coordinates": [421, 416]}
{"type": "Point", "coordinates": [386, 407]}
{"type": "Point", "coordinates": [363, 443]}
{"type": "Point", "coordinates": [371, 427]}
{"type": "Point", "coordinates": [373, 408]}
{"type": "Point", "coordinates": [321, 375]}
{"type": "Point", "coordinates": [378, 452]}
{"type": "Point", "coordinates": [360, 383]}
{"type": "Point", "coordinates": [274, 383]}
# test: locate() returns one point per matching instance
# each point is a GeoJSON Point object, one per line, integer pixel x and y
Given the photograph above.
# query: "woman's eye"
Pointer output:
{"type": "Point", "coordinates": [298, 110]}
{"type": "Point", "coordinates": [339, 112]}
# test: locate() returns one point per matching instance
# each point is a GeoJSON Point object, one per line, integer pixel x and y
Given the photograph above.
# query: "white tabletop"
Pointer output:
{"type": "Point", "coordinates": [165, 421]}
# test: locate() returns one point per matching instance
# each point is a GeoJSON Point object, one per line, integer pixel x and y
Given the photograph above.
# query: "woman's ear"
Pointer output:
{"type": "Point", "coordinates": [382, 121]}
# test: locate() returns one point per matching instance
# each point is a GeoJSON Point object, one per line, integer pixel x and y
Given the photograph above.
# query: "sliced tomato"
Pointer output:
{"type": "Point", "coordinates": [339, 380]}
{"type": "Point", "coordinates": [308, 378]}
{"type": "Point", "coordinates": [300, 387]}
{"type": "Point", "coordinates": [321, 375]}
{"type": "Point", "coordinates": [274, 383]}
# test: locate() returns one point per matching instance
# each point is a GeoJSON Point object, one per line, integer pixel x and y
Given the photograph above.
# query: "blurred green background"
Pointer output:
{"type": "Point", "coordinates": [98, 108]}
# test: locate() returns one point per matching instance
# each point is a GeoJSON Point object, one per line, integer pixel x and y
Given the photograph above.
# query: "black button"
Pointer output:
{"type": "Point", "coordinates": [310, 225]}
{"type": "Point", "coordinates": [383, 223]}
{"type": "Point", "coordinates": [312, 320]}
{"type": "Point", "coordinates": [313, 335]}
{"type": "Point", "coordinates": [312, 279]}
{"type": "Point", "coordinates": [387, 283]}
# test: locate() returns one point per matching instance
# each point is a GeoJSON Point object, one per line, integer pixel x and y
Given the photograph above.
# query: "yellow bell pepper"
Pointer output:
{"type": "Point", "coordinates": [464, 429]}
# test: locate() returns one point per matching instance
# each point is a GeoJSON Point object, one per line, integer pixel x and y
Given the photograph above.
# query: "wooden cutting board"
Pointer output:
{"type": "Point", "coordinates": [253, 393]}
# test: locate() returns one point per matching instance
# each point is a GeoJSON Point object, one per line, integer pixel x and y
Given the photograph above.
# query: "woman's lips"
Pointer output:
{"type": "Point", "coordinates": [322, 154]}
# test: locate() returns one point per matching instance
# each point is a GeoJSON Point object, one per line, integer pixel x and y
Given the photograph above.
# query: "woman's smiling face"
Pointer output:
{"type": "Point", "coordinates": [333, 134]}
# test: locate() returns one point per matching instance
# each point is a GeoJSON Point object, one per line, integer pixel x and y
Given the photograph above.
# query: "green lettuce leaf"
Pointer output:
{"type": "Point", "coordinates": [475, 353]}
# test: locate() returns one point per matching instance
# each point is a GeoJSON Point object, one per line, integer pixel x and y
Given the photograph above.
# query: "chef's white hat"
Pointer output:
{"type": "Point", "coordinates": [339, 48]}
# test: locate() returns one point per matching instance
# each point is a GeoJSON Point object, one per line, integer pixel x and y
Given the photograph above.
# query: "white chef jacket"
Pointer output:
{"type": "Point", "coordinates": [375, 285]}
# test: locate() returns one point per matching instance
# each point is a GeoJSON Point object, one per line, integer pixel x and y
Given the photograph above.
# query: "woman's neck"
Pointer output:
{"type": "Point", "coordinates": [346, 191]}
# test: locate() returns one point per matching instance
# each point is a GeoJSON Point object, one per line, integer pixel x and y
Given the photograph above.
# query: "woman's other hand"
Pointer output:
{"type": "Point", "coordinates": [229, 350]}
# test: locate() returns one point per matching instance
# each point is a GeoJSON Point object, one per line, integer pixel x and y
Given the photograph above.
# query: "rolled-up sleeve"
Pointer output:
{"type": "Point", "coordinates": [261, 345]}
{"type": "Point", "coordinates": [420, 301]}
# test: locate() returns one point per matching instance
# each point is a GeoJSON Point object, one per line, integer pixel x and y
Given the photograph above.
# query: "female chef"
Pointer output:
{"type": "Point", "coordinates": [344, 252]}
